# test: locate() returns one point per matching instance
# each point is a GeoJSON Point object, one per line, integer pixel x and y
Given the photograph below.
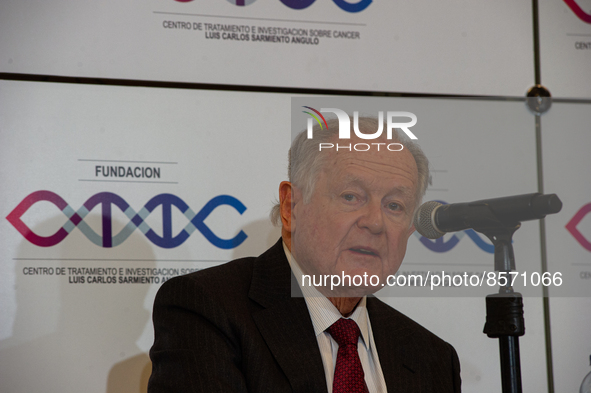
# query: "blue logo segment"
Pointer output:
{"type": "Point", "coordinates": [439, 245]}
{"type": "Point", "coordinates": [357, 7]}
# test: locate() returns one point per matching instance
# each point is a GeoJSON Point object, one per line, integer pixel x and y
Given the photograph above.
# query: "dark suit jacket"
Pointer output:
{"type": "Point", "coordinates": [236, 328]}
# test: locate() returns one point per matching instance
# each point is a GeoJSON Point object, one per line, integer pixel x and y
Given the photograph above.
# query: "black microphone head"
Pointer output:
{"type": "Point", "coordinates": [546, 204]}
{"type": "Point", "coordinates": [424, 218]}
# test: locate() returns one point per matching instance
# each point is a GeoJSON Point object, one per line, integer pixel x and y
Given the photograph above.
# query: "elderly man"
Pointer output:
{"type": "Point", "coordinates": [237, 327]}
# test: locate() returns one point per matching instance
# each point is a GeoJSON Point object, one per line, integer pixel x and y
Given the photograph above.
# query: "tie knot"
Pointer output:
{"type": "Point", "coordinates": [345, 331]}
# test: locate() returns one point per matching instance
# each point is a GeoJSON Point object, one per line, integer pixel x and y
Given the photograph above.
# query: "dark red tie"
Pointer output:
{"type": "Point", "coordinates": [348, 373]}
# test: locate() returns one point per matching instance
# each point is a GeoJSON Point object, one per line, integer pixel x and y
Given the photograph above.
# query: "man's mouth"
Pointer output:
{"type": "Point", "coordinates": [365, 251]}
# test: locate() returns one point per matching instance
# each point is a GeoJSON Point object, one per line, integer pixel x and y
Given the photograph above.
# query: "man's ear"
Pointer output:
{"type": "Point", "coordinates": [285, 205]}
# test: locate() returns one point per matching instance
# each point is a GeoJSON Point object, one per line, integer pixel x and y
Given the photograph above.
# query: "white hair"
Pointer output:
{"type": "Point", "coordinates": [305, 162]}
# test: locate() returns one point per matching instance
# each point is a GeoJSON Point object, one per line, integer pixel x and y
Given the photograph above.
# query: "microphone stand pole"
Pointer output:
{"type": "Point", "coordinates": [504, 310]}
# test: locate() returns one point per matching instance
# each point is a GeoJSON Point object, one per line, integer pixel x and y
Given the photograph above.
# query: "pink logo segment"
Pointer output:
{"type": "Point", "coordinates": [15, 218]}
{"type": "Point", "coordinates": [585, 17]}
{"type": "Point", "coordinates": [572, 226]}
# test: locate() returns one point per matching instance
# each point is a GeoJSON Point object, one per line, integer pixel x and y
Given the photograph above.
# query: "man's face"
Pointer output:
{"type": "Point", "coordinates": [359, 217]}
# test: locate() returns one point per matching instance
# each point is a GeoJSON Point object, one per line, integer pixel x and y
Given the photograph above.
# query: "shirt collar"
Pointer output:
{"type": "Point", "coordinates": [322, 312]}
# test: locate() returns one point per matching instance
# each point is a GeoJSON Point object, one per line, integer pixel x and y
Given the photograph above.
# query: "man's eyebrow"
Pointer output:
{"type": "Point", "coordinates": [401, 190]}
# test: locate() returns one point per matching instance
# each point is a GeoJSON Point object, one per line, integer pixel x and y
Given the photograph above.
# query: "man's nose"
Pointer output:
{"type": "Point", "coordinates": [372, 218]}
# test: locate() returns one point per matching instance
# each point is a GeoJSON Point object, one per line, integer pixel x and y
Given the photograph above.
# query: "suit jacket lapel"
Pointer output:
{"type": "Point", "coordinates": [397, 357]}
{"type": "Point", "coordinates": [285, 322]}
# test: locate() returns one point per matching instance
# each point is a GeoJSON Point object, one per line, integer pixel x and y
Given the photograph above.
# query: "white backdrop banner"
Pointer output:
{"type": "Point", "coordinates": [421, 46]}
{"type": "Point", "coordinates": [109, 191]}
{"type": "Point", "coordinates": [566, 139]}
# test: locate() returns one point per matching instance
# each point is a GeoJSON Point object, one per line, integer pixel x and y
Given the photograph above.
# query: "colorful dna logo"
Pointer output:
{"type": "Point", "coordinates": [137, 220]}
{"type": "Point", "coordinates": [439, 245]}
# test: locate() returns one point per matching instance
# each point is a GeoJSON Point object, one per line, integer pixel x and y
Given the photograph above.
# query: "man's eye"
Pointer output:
{"type": "Point", "coordinates": [394, 206]}
{"type": "Point", "coordinates": [349, 197]}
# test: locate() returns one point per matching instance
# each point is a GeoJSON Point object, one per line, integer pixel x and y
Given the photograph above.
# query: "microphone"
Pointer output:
{"type": "Point", "coordinates": [434, 219]}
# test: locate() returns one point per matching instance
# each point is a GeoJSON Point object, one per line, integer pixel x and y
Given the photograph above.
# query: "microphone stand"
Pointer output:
{"type": "Point", "coordinates": [504, 310]}
{"type": "Point", "coordinates": [498, 219]}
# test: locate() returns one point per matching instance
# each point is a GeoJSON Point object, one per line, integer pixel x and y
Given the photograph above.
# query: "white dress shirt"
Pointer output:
{"type": "Point", "coordinates": [323, 314]}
